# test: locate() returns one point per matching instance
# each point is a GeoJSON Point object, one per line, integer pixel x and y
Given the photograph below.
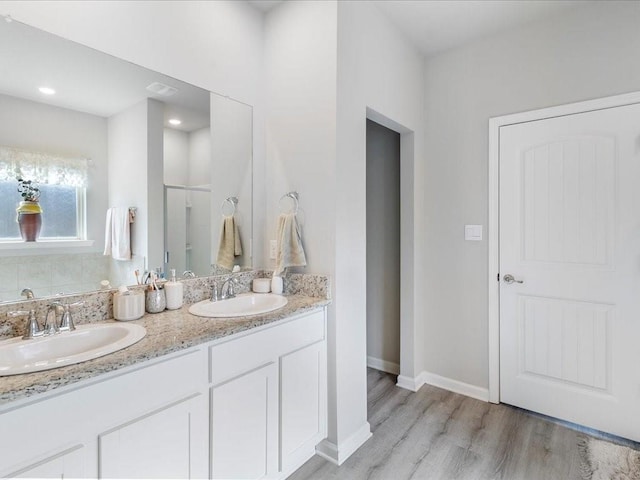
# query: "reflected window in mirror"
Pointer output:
{"type": "Point", "coordinates": [48, 184]}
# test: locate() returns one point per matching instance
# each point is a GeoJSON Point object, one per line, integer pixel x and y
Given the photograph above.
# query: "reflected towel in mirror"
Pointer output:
{"type": "Point", "coordinates": [230, 245]}
{"type": "Point", "coordinates": [117, 238]}
{"type": "Point", "coordinates": [290, 252]}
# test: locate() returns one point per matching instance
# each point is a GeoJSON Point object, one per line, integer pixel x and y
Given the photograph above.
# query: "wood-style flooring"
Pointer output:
{"type": "Point", "coordinates": [436, 434]}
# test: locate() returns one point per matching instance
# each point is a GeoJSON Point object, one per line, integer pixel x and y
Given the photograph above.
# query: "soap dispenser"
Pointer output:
{"type": "Point", "coordinates": [174, 292]}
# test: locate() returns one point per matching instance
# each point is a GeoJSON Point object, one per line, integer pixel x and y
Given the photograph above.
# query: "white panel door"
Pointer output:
{"type": "Point", "coordinates": [570, 231]}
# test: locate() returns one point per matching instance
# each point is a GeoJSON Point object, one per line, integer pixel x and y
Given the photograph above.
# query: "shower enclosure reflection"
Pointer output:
{"type": "Point", "coordinates": [187, 229]}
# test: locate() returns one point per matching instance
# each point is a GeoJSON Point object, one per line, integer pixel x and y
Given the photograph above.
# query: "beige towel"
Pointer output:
{"type": "Point", "coordinates": [230, 245]}
{"type": "Point", "coordinates": [290, 252]}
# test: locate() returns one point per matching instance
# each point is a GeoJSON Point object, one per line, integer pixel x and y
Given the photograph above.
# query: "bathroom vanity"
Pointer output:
{"type": "Point", "coordinates": [196, 398]}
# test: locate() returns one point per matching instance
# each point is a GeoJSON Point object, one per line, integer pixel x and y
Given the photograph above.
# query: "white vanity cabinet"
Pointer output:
{"type": "Point", "coordinates": [161, 444]}
{"type": "Point", "coordinates": [268, 399]}
{"type": "Point", "coordinates": [251, 405]}
{"type": "Point", "coordinates": [145, 422]}
{"type": "Point", "coordinates": [65, 464]}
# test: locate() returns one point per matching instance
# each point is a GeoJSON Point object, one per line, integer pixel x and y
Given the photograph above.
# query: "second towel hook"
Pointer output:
{"type": "Point", "coordinates": [232, 202]}
{"type": "Point", "coordinates": [294, 196]}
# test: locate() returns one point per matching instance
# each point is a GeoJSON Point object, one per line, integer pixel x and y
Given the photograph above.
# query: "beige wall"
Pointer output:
{"type": "Point", "coordinates": [588, 53]}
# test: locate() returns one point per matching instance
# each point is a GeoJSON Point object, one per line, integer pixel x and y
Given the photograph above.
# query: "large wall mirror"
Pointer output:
{"type": "Point", "coordinates": [101, 136]}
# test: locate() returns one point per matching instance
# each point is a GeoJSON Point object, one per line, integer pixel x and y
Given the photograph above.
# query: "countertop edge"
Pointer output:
{"type": "Point", "coordinates": [169, 334]}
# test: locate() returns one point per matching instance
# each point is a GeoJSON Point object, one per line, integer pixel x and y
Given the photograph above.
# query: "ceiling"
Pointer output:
{"type": "Point", "coordinates": [435, 26]}
{"type": "Point", "coordinates": [86, 80]}
{"type": "Point", "coordinates": [438, 25]}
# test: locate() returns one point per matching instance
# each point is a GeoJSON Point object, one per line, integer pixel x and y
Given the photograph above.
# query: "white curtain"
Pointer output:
{"type": "Point", "coordinates": [42, 168]}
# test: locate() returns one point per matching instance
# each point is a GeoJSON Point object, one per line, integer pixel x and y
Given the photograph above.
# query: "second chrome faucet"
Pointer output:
{"type": "Point", "coordinates": [221, 294]}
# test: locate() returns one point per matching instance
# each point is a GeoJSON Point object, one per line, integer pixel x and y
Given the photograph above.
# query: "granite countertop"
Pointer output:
{"type": "Point", "coordinates": [167, 332]}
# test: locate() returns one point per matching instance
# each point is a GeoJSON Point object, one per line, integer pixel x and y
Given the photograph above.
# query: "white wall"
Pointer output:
{"type": "Point", "coordinates": [176, 157]}
{"type": "Point", "coordinates": [300, 62]}
{"type": "Point", "coordinates": [200, 159]}
{"type": "Point", "coordinates": [231, 173]}
{"type": "Point", "coordinates": [200, 219]}
{"type": "Point", "coordinates": [383, 248]}
{"type": "Point", "coordinates": [155, 185]}
{"type": "Point", "coordinates": [588, 53]}
{"type": "Point", "coordinates": [300, 59]}
{"type": "Point", "coordinates": [127, 179]}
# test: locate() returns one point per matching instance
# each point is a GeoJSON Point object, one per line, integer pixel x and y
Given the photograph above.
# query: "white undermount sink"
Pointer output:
{"type": "Point", "coordinates": [86, 342]}
{"type": "Point", "coordinates": [241, 305]}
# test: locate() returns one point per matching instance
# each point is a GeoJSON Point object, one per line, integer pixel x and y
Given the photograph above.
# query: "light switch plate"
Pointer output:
{"type": "Point", "coordinates": [473, 232]}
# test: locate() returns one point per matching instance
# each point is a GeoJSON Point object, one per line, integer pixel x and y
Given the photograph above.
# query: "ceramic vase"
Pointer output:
{"type": "Point", "coordinates": [29, 220]}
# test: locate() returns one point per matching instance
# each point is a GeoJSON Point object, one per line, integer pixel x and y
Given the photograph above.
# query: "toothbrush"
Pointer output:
{"type": "Point", "coordinates": [137, 273]}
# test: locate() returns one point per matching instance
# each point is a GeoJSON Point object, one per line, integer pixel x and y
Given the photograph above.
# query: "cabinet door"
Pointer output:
{"type": "Point", "coordinates": [168, 443]}
{"type": "Point", "coordinates": [66, 464]}
{"type": "Point", "coordinates": [303, 404]}
{"type": "Point", "coordinates": [244, 435]}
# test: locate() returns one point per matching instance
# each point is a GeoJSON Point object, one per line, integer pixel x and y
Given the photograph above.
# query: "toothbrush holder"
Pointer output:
{"type": "Point", "coordinates": [156, 301]}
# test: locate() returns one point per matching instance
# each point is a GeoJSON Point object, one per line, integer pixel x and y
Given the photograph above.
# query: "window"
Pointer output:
{"type": "Point", "coordinates": [62, 184]}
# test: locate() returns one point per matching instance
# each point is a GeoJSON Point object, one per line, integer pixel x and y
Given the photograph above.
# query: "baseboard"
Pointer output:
{"type": "Point", "coordinates": [383, 365]}
{"type": "Point", "coordinates": [337, 454]}
{"type": "Point", "coordinates": [411, 383]}
{"type": "Point", "coordinates": [428, 378]}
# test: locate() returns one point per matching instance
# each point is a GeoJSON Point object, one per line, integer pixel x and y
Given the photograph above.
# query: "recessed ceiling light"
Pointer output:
{"type": "Point", "coordinates": [47, 90]}
{"type": "Point", "coordinates": [175, 121]}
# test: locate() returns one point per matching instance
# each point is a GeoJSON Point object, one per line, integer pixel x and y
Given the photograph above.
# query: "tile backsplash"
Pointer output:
{"type": "Point", "coordinates": [52, 274]}
{"type": "Point", "coordinates": [98, 305]}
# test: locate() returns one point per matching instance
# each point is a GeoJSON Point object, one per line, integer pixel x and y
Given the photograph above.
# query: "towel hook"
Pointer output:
{"type": "Point", "coordinates": [294, 196]}
{"type": "Point", "coordinates": [233, 202]}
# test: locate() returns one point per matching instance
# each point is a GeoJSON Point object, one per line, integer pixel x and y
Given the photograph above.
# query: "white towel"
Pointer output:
{"type": "Point", "coordinates": [230, 245]}
{"type": "Point", "coordinates": [290, 252]}
{"type": "Point", "coordinates": [117, 236]}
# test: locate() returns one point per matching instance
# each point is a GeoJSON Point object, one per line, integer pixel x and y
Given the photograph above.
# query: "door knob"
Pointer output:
{"type": "Point", "coordinates": [508, 278]}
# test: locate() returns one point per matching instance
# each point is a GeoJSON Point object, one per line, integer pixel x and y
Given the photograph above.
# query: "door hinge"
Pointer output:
{"type": "Point", "coordinates": [498, 277]}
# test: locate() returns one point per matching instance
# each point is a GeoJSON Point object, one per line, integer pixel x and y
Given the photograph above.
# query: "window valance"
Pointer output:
{"type": "Point", "coordinates": [42, 168]}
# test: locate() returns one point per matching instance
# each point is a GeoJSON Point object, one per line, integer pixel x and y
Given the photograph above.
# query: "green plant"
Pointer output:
{"type": "Point", "coordinates": [28, 190]}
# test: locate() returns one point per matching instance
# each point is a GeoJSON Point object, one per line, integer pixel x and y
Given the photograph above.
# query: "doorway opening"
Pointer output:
{"type": "Point", "coordinates": [383, 248]}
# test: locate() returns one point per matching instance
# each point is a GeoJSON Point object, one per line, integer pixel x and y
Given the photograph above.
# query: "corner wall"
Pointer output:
{"type": "Point", "coordinates": [380, 74]}
{"type": "Point", "coordinates": [587, 53]}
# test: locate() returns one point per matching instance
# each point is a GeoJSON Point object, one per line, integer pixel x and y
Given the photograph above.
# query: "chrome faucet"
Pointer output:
{"type": "Point", "coordinates": [66, 322]}
{"type": "Point", "coordinates": [231, 293]}
{"type": "Point", "coordinates": [33, 327]}
{"type": "Point", "coordinates": [219, 293]}
{"type": "Point", "coordinates": [214, 292]}
{"type": "Point", "coordinates": [51, 326]}
{"type": "Point", "coordinates": [27, 292]}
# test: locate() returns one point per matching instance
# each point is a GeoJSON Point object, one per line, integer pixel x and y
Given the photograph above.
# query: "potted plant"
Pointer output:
{"type": "Point", "coordinates": [29, 211]}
